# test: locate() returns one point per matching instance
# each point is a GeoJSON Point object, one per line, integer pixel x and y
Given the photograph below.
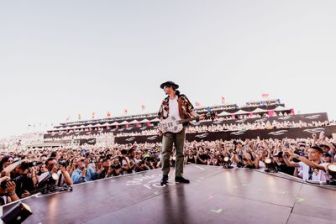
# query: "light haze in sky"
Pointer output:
{"type": "Point", "coordinates": [61, 58]}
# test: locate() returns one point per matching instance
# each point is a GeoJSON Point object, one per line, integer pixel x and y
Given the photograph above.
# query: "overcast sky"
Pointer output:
{"type": "Point", "coordinates": [61, 58]}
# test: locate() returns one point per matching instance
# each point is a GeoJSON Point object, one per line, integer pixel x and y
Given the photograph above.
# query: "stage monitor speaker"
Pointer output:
{"type": "Point", "coordinates": [17, 214]}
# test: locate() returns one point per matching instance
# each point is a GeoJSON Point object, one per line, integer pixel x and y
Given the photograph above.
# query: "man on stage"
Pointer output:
{"type": "Point", "coordinates": [174, 105]}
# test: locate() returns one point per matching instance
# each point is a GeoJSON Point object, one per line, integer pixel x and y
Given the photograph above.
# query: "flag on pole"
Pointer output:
{"type": "Point", "coordinates": [265, 95]}
{"type": "Point", "coordinates": [125, 111]}
{"type": "Point", "coordinates": [93, 115]}
{"type": "Point", "coordinates": [108, 114]}
{"type": "Point", "coordinates": [293, 112]}
{"type": "Point", "coordinates": [223, 100]}
{"type": "Point", "coordinates": [271, 113]}
{"type": "Point", "coordinates": [143, 108]}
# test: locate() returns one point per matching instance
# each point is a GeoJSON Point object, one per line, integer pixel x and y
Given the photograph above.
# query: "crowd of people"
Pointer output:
{"type": "Point", "coordinates": [304, 158]}
{"type": "Point", "coordinates": [255, 126]}
{"type": "Point", "coordinates": [262, 125]}
{"type": "Point", "coordinates": [26, 172]}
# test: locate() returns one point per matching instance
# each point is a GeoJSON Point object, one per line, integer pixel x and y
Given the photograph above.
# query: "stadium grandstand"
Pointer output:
{"type": "Point", "coordinates": [268, 114]}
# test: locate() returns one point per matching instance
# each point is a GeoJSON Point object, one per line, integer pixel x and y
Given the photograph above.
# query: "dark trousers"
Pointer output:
{"type": "Point", "coordinates": [168, 140]}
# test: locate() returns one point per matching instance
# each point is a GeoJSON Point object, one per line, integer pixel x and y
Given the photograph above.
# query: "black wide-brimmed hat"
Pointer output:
{"type": "Point", "coordinates": [169, 84]}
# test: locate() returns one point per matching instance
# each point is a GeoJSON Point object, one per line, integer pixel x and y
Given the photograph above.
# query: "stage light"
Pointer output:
{"type": "Point", "coordinates": [332, 172]}
{"type": "Point", "coordinates": [270, 166]}
{"type": "Point", "coordinates": [227, 163]}
{"type": "Point", "coordinates": [17, 214]}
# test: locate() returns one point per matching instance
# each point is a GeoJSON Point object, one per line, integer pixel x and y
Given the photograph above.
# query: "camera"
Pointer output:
{"type": "Point", "coordinates": [27, 165]}
{"type": "Point", "coordinates": [299, 152]}
{"type": "Point", "coordinates": [115, 166]}
{"type": "Point", "coordinates": [64, 163]}
{"type": "Point", "coordinates": [149, 159]}
{"type": "Point", "coordinates": [124, 152]}
{"type": "Point", "coordinates": [3, 184]}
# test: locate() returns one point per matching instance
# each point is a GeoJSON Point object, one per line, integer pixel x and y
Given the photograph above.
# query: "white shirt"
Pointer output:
{"type": "Point", "coordinates": [174, 108]}
{"type": "Point", "coordinates": [262, 164]}
{"type": "Point", "coordinates": [42, 176]}
{"type": "Point", "coordinates": [319, 176]}
{"type": "Point", "coordinates": [45, 174]}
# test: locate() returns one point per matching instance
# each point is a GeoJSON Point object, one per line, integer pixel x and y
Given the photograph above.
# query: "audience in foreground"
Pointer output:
{"type": "Point", "coordinates": [24, 173]}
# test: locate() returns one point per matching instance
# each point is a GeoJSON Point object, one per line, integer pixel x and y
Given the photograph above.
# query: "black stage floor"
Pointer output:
{"type": "Point", "coordinates": [215, 195]}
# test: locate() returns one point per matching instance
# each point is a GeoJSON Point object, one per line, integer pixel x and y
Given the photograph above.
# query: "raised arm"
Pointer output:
{"type": "Point", "coordinates": [288, 162]}
{"type": "Point", "coordinates": [310, 163]}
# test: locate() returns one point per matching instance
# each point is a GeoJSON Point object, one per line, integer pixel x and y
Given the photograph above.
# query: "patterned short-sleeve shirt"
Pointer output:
{"type": "Point", "coordinates": [185, 107]}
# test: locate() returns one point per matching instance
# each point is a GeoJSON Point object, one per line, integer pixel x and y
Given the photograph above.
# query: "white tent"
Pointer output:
{"type": "Point", "coordinates": [156, 120]}
{"type": "Point", "coordinates": [224, 113]}
{"type": "Point", "coordinates": [124, 122]}
{"type": "Point", "coordinates": [259, 110]}
{"type": "Point", "coordinates": [281, 108]}
{"type": "Point", "coordinates": [115, 123]}
{"type": "Point", "coordinates": [144, 121]}
{"type": "Point", "coordinates": [239, 112]}
{"type": "Point", "coordinates": [134, 122]}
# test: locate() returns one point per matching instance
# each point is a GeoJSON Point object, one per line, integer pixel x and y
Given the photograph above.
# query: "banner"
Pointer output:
{"type": "Point", "coordinates": [242, 134]}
